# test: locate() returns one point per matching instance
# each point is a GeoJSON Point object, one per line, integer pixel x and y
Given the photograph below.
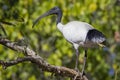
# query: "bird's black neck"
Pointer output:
{"type": "Point", "coordinates": [59, 16]}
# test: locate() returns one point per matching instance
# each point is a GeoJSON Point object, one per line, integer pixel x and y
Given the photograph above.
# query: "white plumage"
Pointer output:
{"type": "Point", "coordinates": [76, 32]}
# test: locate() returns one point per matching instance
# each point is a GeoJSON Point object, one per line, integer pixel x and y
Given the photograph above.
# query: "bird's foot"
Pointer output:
{"type": "Point", "coordinates": [83, 73]}
{"type": "Point", "coordinates": [79, 75]}
{"type": "Point", "coordinates": [76, 69]}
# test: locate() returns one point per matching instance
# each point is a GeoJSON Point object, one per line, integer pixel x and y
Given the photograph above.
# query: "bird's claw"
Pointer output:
{"type": "Point", "coordinates": [83, 73]}
{"type": "Point", "coordinates": [78, 74]}
{"type": "Point", "coordinates": [77, 70]}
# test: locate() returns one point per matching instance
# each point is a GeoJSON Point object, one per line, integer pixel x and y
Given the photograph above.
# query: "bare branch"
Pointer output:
{"type": "Point", "coordinates": [14, 46]}
{"type": "Point", "coordinates": [37, 60]}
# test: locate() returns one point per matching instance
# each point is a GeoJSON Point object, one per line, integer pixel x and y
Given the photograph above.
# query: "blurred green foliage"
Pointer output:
{"type": "Point", "coordinates": [48, 42]}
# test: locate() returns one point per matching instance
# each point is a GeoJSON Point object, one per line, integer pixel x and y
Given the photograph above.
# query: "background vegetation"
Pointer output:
{"type": "Point", "coordinates": [17, 16]}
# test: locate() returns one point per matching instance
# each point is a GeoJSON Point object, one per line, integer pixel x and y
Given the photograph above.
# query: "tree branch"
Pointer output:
{"type": "Point", "coordinates": [31, 56]}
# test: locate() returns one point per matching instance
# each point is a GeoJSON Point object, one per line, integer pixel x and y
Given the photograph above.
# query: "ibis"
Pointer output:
{"type": "Point", "coordinates": [80, 34]}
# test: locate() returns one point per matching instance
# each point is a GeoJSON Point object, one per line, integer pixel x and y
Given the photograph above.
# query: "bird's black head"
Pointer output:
{"type": "Point", "coordinates": [55, 10]}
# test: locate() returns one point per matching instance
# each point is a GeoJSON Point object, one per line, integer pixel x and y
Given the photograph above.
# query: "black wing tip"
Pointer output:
{"type": "Point", "coordinates": [95, 36]}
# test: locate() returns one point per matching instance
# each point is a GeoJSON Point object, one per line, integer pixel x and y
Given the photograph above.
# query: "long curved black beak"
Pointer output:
{"type": "Point", "coordinates": [40, 17]}
{"type": "Point", "coordinates": [55, 10]}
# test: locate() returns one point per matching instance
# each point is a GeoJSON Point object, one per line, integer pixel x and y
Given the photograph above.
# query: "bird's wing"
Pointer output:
{"type": "Point", "coordinates": [95, 36]}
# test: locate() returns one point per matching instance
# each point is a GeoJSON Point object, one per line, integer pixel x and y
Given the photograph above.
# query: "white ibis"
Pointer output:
{"type": "Point", "coordinates": [76, 32]}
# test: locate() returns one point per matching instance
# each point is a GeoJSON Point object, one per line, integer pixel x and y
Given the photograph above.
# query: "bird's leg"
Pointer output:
{"type": "Point", "coordinates": [76, 64]}
{"type": "Point", "coordinates": [77, 60]}
{"type": "Point", "coordinates": [84, 63]}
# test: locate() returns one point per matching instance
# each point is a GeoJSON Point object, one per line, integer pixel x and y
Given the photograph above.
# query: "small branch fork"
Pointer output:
{"type": "Point", "coordinates": [32, 57]}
